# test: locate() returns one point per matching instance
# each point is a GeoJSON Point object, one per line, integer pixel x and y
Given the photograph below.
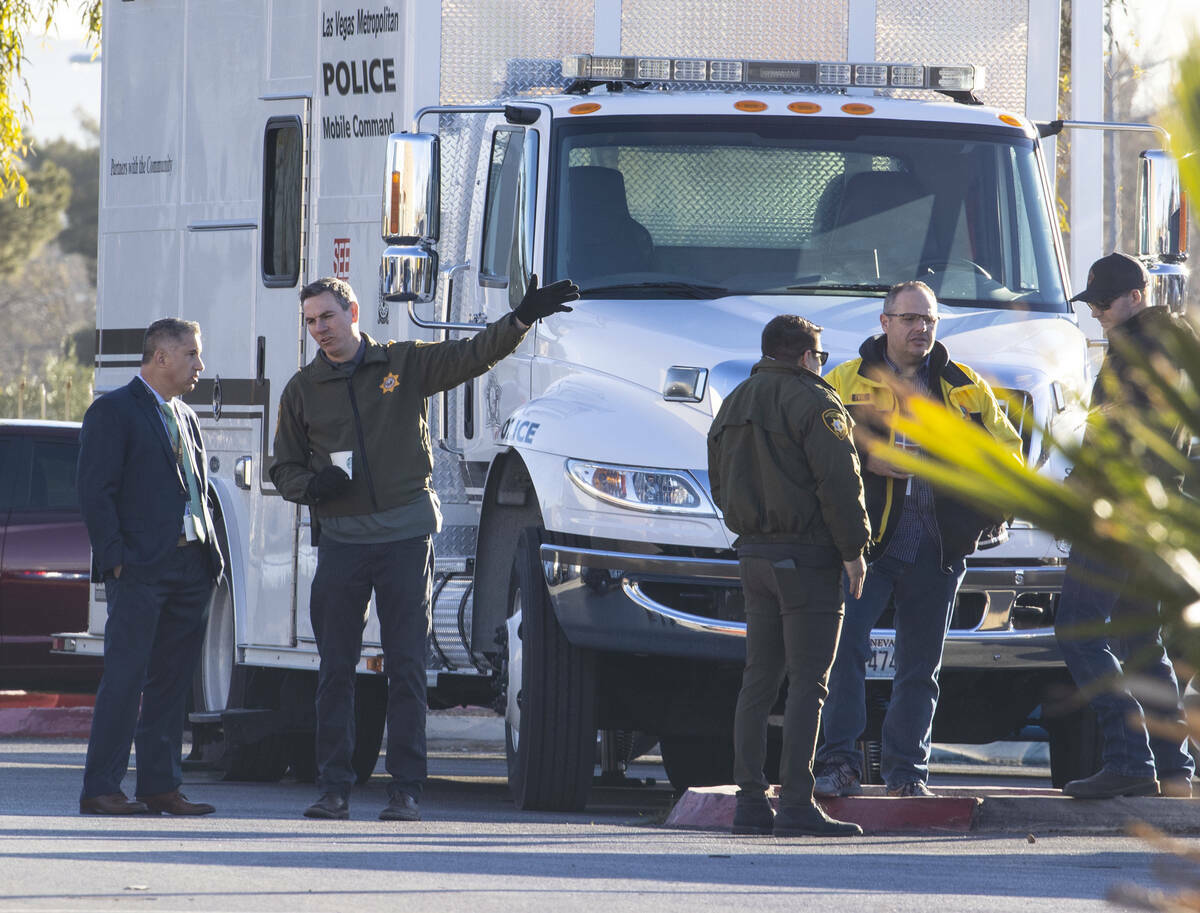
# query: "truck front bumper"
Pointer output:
{"type": "Point", "coordinates": [601, 601]}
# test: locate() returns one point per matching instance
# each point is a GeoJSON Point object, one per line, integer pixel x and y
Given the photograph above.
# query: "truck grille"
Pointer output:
{"type": "Point", "coordinates": [1018, 406]}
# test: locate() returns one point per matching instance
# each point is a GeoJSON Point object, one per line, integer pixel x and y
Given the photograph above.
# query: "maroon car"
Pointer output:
{"type": "Point", "coordinates": [44, 556]}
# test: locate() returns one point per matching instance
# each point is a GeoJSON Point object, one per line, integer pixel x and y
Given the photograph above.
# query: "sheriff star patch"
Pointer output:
{"type": "Point", "coordinates": [390, 383]}
{"type": "Point", "coordinates": [835, 422]}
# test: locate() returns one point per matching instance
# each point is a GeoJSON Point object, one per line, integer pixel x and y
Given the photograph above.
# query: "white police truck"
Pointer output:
{"type": "Point", "coordinates": [696, 171]}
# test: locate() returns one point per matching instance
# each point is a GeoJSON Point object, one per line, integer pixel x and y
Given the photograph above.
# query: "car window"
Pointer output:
{"type": "Point", "coordinates": [9, 455]}
{"type": "Point", "coordinates": [52, 479]}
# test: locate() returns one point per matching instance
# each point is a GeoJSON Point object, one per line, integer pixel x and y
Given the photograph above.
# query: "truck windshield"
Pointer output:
{"type": "Point", "coordinates": [702, 207]}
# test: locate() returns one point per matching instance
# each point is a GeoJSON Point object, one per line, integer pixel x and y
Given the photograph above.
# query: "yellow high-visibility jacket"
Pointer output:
{"type": "Point", "coordinates": [862, 385]}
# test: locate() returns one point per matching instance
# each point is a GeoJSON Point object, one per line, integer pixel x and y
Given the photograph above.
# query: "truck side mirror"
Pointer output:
{"type": "Point", "coordinates": [1162, 208]}
{"type": "Point", "coordinates": [411, 216]}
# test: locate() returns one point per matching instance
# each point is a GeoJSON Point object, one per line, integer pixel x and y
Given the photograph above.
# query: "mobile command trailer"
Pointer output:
{"type": "Point", "coordinates": [584, 581]}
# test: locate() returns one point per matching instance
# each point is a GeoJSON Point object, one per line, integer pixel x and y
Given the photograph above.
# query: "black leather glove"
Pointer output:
{"type": "Point", "coordinates": [328, 483]}
{"type": "Point", "coordinates": [542, 302]}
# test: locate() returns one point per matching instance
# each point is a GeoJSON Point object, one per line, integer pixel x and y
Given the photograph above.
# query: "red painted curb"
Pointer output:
{"type": "Point", "coordinates": [24, 699]}
{"type": "Point", "coordinates": [712, 807]}
{"type": "Point", "coordinates": [46, 722]}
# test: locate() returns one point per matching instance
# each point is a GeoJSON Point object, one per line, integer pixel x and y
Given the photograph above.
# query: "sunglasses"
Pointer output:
{"type": "Point", "coordinates": [822, 357]}
{"type": "Point", "coordinates": [1104, 305]}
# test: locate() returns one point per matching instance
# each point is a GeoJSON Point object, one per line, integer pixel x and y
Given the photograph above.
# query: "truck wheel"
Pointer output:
{"type": "Point", "coordinates": [370, 716]}
{"type": "Point", "coordinates": [550, 730]}
{"type": "Point", "coordinates": [697, 760]}
{"type": "Point", "coordinates": [1076, 746]}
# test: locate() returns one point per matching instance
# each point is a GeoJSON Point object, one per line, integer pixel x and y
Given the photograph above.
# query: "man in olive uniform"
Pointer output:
{"type": "Point", "coordinates": [785, 473]}
{"type": "Point", "coordinates": [376, 522]}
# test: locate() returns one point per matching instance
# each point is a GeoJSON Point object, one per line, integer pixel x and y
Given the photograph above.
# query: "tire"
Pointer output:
{"type": "Point", "coordinates": [550, 730]}
{"type": "Point", "coordinates": [370, 717]}
{"type": "Point", "coordinates": [1076, 746]}
{"type": "Point", "coordinates": [692, 760]}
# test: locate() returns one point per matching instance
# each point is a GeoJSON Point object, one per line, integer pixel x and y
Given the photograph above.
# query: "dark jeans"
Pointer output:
{"type": "Point", "coordinates": [401, 574]}
{"type": "Point", "coordinates": [924, 597]}
{"type": "Point", "coordinates": [1091, 594]}
{"type": "Point", "coordinates": [793, 616]}
{"type": "Point", "coordinates": [152, 638]}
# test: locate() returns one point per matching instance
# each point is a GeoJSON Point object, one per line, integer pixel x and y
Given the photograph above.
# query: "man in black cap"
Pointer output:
{"type": "Point", "coordinates": [1136, 763]}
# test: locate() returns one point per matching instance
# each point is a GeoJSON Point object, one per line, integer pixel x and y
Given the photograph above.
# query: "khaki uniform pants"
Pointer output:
{"type": "Point", "coordinates": [793, 619]}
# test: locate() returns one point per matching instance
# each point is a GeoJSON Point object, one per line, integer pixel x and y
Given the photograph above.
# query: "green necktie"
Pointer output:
{"type": "Point", "coordinates": [196, 507]}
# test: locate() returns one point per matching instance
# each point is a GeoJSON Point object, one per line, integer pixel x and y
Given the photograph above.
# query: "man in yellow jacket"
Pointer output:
{"type": "Point", "coordinates": [919, 541]}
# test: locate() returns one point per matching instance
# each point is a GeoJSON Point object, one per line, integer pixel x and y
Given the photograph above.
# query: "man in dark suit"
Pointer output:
{"type": "Point", "coordinates": [143, 483]}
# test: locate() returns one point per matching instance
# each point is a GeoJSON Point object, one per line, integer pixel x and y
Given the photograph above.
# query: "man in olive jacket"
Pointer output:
{"type": "Point", "coordinates": [362, 404]}
{"type": "Point", "coordinates": [785, 473]}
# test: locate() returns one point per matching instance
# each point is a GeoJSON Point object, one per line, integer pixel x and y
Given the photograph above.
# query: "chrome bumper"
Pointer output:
{"type": "Point", "coordinates": [601, 603]}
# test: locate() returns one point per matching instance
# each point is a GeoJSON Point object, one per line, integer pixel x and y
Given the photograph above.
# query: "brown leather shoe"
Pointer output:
{"type": "Point", "coordinates": [112, 804]}
{"type": "Point", "coordinates": [176, 803]}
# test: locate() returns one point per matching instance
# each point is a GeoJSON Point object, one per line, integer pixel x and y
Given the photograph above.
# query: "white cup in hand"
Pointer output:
{"type": "Point", "coordinates": [344, 460]}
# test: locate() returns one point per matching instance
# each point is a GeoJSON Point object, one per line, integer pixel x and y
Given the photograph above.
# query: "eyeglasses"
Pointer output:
{"type": "Point", "coordinates": [1105, 305]}
{"type": "Point", "coordinates": [911, 320]}
{"type": "Point", "coordinates": [822, 357]}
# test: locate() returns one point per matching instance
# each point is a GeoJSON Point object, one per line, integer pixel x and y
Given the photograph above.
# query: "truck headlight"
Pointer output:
{"type": "Point", "coordinates": [668, 491]}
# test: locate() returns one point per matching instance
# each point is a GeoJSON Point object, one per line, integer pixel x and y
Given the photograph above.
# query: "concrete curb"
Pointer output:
{"type": "Point", "coordinates": [46, 722]}
{"type": "Point", "coordinates": [962, 809]}
{"type": "Point", "coordinates": [712, 807]}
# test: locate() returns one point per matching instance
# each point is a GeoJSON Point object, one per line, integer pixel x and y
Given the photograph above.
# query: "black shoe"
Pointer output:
{"type": "Point", "coordinates": [330, 805]}
{"type": "Point", "coordinates": [401, 807]}
{"type": "Point", "coordinates": [753, 816]}
{"type": "Point", "coordinates": [811, 821]}
{"type": "Point", "coordinates": [1108, 784]}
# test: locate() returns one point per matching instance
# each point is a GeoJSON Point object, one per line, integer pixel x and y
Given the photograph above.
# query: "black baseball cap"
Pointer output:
{"type": "Point", "coordinates": [1111, 277]}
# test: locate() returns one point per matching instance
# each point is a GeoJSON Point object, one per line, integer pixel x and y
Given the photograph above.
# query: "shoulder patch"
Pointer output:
{"type": "Point", "coordinates": [836, 422]}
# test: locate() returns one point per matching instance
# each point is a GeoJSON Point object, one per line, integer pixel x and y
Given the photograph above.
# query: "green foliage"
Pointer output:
{"type": "Point", "coordinates": [1113, 503]}
{"type": "Point", "coordinates": [17, 18]}
{"type": "Point", "coordinates": [66, 383]}
{"type": "Point", "coordinates": [80, 233]}
{"type": "Point", "coordinates": [25, 229]}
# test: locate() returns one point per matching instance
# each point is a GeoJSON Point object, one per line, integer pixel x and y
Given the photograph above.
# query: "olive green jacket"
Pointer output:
{"type": "Point", "coordinates": [782, 464]}
{"type": "Point", "coordinates": [380, 413]}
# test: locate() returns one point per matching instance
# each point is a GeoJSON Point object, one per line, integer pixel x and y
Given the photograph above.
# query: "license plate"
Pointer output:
{"type": "Point", "coordinates": [881, 663]}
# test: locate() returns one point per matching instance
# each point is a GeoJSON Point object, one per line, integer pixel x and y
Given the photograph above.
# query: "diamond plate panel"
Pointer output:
{"type": "Point", "coordinates": [781, 30]}
{"type": "Point", "coordinates": [991, 33]}
{"type": "Point", "coordinates": [455, 542]}
{"type": "Point", "coordinates": [501, 46]}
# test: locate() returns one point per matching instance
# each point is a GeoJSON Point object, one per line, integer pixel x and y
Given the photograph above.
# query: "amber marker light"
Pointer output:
{"type": "Point", "coordinates": [394, 221]}
{"type": "Point", "coordinates": [588, 107]}
{"type": "Point", "coordinates": [1010, 120]}
{"type": "Point", "coordinates": [750, 105]}
{"type": "Point", "coordinates": [855, 107]}
{"type": "Point", "coordinates": [804, 107]}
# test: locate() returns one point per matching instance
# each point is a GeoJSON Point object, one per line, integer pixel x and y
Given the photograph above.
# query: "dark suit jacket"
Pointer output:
{"type": "Point", "coordinates": [131, 489]}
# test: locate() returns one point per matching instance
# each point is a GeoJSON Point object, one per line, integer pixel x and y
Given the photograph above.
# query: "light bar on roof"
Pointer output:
{"type": "Point", "coordinates": [826, 74]}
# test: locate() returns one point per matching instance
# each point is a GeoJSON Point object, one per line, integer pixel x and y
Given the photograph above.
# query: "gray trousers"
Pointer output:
{"type": "Point", "coordinates": [793, 619]}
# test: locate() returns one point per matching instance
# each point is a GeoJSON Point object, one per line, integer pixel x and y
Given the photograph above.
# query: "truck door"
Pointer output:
{"type": "Point", "coordinates": [505, 258]}
{"type": "Point", "coordinates": [279, 347]}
